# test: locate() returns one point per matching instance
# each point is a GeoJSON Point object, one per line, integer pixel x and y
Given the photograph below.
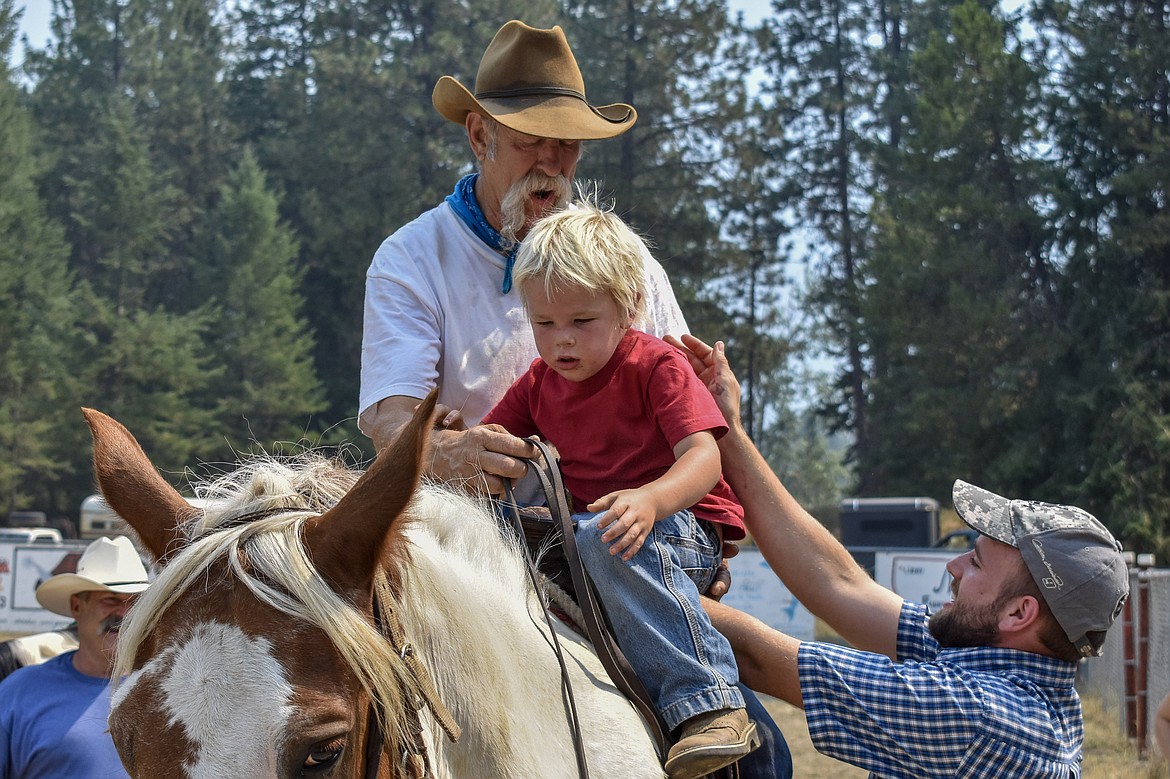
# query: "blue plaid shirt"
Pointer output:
{"type": "Point", "coordinates": [978, 712]}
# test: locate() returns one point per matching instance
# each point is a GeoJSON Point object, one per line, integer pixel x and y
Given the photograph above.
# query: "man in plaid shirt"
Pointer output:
{"type": "Point", "coordinates": [984, 687]}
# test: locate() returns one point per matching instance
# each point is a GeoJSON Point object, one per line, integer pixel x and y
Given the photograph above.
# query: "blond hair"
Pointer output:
{"type": "Point", "coordinates": [588, 246]}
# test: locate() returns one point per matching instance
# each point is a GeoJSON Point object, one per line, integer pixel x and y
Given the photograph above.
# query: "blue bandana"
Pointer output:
{"type": "Point", "coordinates": [465, 205]}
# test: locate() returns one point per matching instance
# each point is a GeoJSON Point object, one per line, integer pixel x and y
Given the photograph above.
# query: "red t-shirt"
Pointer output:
{"type": "Point", "coordinates": [618, 428]}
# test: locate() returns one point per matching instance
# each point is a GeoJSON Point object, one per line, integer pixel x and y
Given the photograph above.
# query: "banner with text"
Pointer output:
{"type": "Point", "coordinates": [918, 575]}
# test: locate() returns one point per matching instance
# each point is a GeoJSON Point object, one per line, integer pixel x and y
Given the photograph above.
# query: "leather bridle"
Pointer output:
{"type": "Point", "coordinates": [414, 763]}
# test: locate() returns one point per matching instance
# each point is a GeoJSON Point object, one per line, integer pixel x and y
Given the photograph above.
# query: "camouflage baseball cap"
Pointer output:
{"type": "Point", "coordinates": [1073, 558]}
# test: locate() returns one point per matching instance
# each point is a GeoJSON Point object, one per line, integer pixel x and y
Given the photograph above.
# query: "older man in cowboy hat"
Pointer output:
{"type": "Point", "coordinates": [53, 715]}
{"type": "Point", "coordinates": [440, 309]}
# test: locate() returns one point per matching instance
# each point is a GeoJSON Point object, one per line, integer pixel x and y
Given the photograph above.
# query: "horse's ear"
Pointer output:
{"type": "Point", "coordinates": [133, 487]}
{"type": "Point", "coordinates": [346, 542]}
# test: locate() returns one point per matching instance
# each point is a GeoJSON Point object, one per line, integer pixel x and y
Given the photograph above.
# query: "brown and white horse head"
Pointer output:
{"type": "Point", "coordinates": [253, 654]}
{"type": "Point", "coordinates": [270, 709]}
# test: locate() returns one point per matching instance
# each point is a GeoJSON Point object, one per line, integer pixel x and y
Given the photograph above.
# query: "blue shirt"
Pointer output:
{"type": "Point", "coordinates": [53, 724]}
{"type": "Point", "coordinates": [972, 712]}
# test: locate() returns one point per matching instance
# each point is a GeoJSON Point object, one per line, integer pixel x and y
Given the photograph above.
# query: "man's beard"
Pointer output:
{"type": "Point", "coordinates": [960, 626]}
{"type": "Point", "coordinates": [514, 215]}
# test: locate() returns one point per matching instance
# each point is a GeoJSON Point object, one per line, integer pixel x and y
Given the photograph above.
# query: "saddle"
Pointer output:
{"type": "Point", "coordinates": [548, 537]}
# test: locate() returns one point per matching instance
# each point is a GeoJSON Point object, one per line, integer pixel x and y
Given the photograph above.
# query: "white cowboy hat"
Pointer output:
{"type": "Point", "coordinates": [528, 80]}
{"type": "Point", "coordinates": [106, 565]}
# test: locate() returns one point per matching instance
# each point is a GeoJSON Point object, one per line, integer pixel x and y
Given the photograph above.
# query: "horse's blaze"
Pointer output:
{"type": "Point", "coordinates": [228, 694]}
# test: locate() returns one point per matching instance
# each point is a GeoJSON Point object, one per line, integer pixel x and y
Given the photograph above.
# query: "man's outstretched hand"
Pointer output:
{"type": "Point", "coordinates": [711, 366]}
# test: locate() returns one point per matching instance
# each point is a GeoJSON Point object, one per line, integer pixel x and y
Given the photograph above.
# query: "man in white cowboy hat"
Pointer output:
{"type": "Point", "coordinates": [982, 688]}
{"type": "Point", "coordinates": [53, 715]}
{"type": "Point", "coordinates": [440, 309]}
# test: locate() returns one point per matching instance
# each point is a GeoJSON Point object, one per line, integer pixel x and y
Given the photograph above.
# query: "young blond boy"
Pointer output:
{"type": "Point", "coordinates": [636, 433]}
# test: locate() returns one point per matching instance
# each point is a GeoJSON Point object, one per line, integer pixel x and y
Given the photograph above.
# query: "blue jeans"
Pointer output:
{"type": "Point", "coordinates": [652, 601]}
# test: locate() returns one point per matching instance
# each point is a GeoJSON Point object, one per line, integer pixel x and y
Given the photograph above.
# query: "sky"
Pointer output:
{"type": "Point", "coordinates": [35, 23]}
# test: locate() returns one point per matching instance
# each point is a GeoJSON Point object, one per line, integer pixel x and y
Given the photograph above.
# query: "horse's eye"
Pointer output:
{"type": "Point", "coordinates": [323, 755]}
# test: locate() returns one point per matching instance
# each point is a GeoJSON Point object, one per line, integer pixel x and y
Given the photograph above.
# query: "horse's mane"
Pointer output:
{"type": "Point", "coordinates": [462, 593]}
{"type": "Point", "coordinates": [252, 520]}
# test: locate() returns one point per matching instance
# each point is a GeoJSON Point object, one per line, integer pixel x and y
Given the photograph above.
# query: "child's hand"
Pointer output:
{"type": "Point", "coordinates": [629, 519]}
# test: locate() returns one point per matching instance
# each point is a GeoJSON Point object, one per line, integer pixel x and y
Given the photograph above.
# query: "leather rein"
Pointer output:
{"type": "Point", "coordinates": [612, 659]}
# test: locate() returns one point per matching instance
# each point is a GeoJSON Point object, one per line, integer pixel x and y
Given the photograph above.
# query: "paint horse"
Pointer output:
{"type": "Point", "coordinates": [256, 651]}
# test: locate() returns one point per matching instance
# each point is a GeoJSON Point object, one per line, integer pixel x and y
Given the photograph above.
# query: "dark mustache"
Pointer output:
{"type": "Point", "coordinates": [110, 624]}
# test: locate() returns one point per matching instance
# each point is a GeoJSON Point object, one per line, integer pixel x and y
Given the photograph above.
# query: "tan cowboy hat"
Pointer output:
{"type": "Point", "coordinates": [528, 80]}
{"type": "Point", "coordinates": [110, 566]}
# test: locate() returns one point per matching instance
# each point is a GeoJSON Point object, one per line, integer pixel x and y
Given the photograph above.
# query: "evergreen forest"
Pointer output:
{"type": "Point", "coordinates": [933, 230]}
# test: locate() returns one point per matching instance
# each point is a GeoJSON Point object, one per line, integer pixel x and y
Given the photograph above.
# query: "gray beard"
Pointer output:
{"type": "Point", "coordinates": [513, 217]}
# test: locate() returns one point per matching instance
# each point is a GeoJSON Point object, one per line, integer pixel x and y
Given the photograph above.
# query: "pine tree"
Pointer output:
{"type": "Point", "coordinates": [960, 307]}
{"type": "Point", "coordinates": [151, 368]}
{"type": "Point", "coordinates": [40, 380]}
{"type": "Point", "coordinates": [764, 329]}
{"type": "Point", "coordinates": [823, 80]}
{"type": "Point", "coordinates": [121, 212]}
{"type": "Point", "coordinates": [1103, 427]}
{"type": "Point", "coordinates": [174, 74]}
{"type": "Point", "coordinates": [173, 77]}
{"type": "Point", "coordinates": [268, 390]}
{"type": "Point", "coordinates": [683, 66]}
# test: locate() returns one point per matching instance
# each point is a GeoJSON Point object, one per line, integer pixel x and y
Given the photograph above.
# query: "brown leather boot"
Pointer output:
{"type": "Point", "coordinates": [710, 741]}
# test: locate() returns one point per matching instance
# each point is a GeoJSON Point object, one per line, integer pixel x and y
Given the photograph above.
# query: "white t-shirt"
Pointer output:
{"type": "Point", "coordinates": [434, 315]}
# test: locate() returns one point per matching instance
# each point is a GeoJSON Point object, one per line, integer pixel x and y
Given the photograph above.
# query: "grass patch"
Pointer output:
{"type": "Point", "coordinates": [1108, 753]}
